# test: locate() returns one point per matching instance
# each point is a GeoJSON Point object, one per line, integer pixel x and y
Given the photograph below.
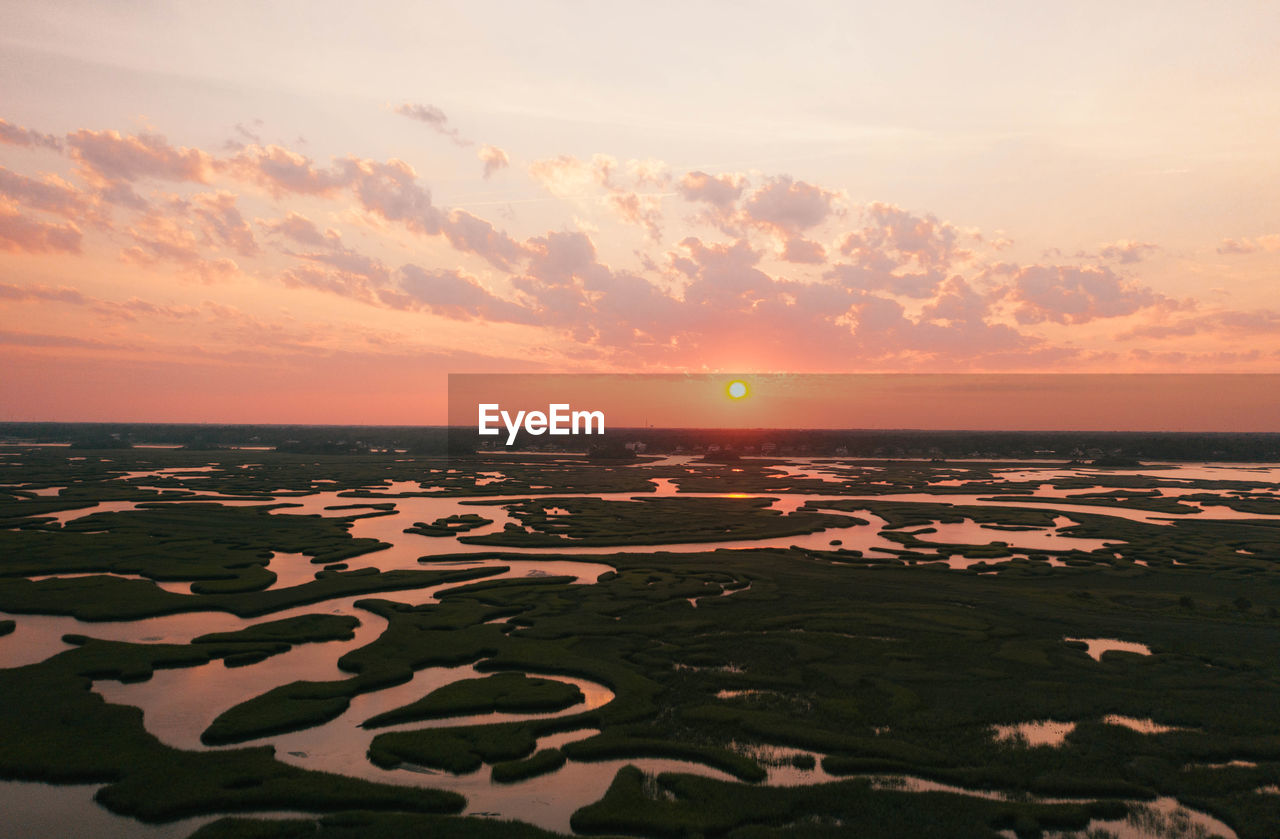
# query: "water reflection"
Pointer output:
{"type": "Point", "coordinates": [1097, 646]}
{"type": "Point", "coordinates": [1039, 733]}
{"type": "Point", "coordinates": [179, 704]}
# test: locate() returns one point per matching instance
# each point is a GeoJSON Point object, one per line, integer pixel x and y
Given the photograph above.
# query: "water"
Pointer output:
{"type": "Point", "coordinates": [178, 704]}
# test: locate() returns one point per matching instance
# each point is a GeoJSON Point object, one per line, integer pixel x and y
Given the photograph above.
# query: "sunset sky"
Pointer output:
{"type": "Point", "coordinates": [314, 212]}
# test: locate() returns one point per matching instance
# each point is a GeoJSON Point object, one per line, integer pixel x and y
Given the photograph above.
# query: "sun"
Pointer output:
{"type": "Point", "coordinates": [738, 389]}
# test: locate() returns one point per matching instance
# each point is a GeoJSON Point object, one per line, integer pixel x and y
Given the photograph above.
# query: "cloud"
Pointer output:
{"type": "Point", "coordinates": [893, 236]}
{"type": "Point", "coordinates": [221, 222]}
{"type": "Point", "coordinates": [720, 191]}
{"type": "Point", "coordinates": [1073, 295]}
{"type": "Point", "coordinates": [452, 294]}
{"type": "Point", "coordinates": [650, 173]}
{"type": "Point", "coordinates": [391, 191]}
{"type": "Point", "coordinates": [493, 159]}
{"type": "Point", "coordinates": [16, 135]}
{"type": "Point", "coordinates": [50, 194]}
{"type": "Point", "coordinates": [388, 190]}
{"type": "Point", "coordinates": [122, 310]}
{"type": "Point", "coordinates": [1127, 251]}
{"type": "Point", "coordinates": [320, 278]}
{"type": "Point", "coordinates": [732, 302]}
{"type": "Point", "coordinates": [160, 237]}
{"type": "Point", "coordinates": [1269, 243]}
{"type": "Point", "coordinates": [251, 136]}
{"type": "Point", "coordinates": [786, 209]}
{"type": "Point", "coordinates": [884, 276]}
{"type": "Point", "coordinates": [110, 157]}
{"type": "Point", "coordinates": [472, 234]}
{"type": "Point", "coordinates": [433, 117]}
{"type": "Point", "coordinates": [20, 234]}
{"type": "Point", "coordinates": [61, 294]}
{"type": "Point", "coordinates": [350, 264]}
{"type": "Point", "coordinates": [877, 287]}
{"type": "Point", "coordinates": [283, 172]}
{"type": "Point", "coordinates": [641, 210]}
{"type": "Point", "coordinates": [724, 275]}
{"type": "Point", "coordinates": [570, 290]}
{"type": "Point", "coordinates": [446, 292]}
{"type": "Point", "coordinates": [788, 206]}
{"type": "Point", "coordinates": [568, 177]}
{"type": "Point", "coordinates": [1228, 323]}
{"type": "Point", "coordinates": [301, 230]}
{"type": "Point", "coordinates": [799, 249]}
{"type": "Point", "coordinates": [331, 266]}
{"type": "Point", "coordinates": [32, 339]}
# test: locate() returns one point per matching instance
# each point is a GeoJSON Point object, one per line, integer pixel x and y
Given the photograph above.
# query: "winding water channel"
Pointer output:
{"type": "Point", "coordinates": [178, 704]}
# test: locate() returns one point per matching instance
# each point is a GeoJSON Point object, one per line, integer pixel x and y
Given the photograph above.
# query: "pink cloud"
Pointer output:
{"type": "Point", "coordinates": [282, 172]}
{"type": "Point", "coordinates": [472, 234]}
{"type": "Point", "coordinates": [1266, 244]}
{"type": "Point", "coordinates": [1127, 251]}
{"type": "Point", "coordinates": [1228, 323]}
{"type": "Point", "coordinates": [433, 117]}
{"type": "Point", "coordinates": [798, 249]}
{"type": "Point", "coordinates": [109, 156]}
{"type": "Point", "coordinates": [50, 194]}
{"type": "Point", "coordinates": [1072, 295]}
{"type": "Point", "coordinates": [391, 191]}
{"type": "Point", "coordinates": [786, 209]}
{"type": "Point", "coordinates": [788, 206]}
{"type": "Point", "coordinates": [221, 222]}
{"type": "Point", "coordinates": [720, 191]}
{"type": "Point", "coordinates": [895, 236]}
{"type": "Point", "coordinates": [20, 234]}
{"type": "Point", "coordinates": [452, 294]}
{"type": "Point", "coordinates": [493, 159]}
{"type": "Point", "coordinates": [16, 135]}
{"type": "Point", "coordinates": [301, 230]}
{"type": "Point", "coordinates": [61, 294]}
{"type": "Point", "coordinates": [163, 238]}
{"type": "Point", "coordinates": [568, 177]}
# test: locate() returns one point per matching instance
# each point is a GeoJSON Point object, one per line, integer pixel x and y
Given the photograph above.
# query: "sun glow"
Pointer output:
{"type": "Point", "coordinates": [737, 389]}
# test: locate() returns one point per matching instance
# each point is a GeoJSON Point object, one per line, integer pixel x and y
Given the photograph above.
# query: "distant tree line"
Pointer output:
{"type": "Point", "coordinates": [1085, 446]}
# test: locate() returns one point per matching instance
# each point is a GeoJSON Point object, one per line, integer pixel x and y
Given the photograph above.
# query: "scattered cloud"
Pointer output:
{"type": "Point", "coordinates": [50, 194]}
{"type": "Point", "coordinates": [1072, 295]}
{"type": "Point", "coordinates": [452, 294]}
{"type": "Point", "coordinates": [720, 191]}
{"type": "Point", "coordinates": [433, 117]}
{"type": "Point", "coordinates": [1127, 251]}
{"type": "Point", "coordinates": [109, 157]}
{"type": "Point", "coordinates": [16, 135]}
{"type": "Point", "coordinates": [1269, 243]}
{"type": "Point", "coordinates": [594, 181]}
{"type": "Point", "coordinates": [769, 268]}
{"type": "Point", "coordinates": [21, 234]}
{"type": "Point", "coordinates": [493, 159]}
{"type": "Point", "coordinates": [60, 294]}
{"type": "Point", "coordinates": [301, 230]}
{"type": "Point", "coordinates": [221, 222]}
{"type": "Point", "coordinates": [1227, 323]}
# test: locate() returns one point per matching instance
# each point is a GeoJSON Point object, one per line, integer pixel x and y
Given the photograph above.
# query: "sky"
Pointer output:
{"type": "Point", "coordinates": [974, 401]}
{"type": "Point", "coordinates": [315, 212]}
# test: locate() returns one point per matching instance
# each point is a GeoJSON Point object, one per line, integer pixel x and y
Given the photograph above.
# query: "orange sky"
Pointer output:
{"type": "Point", "coordinates": [984, 401]}
{"type": "Point", "coordinates": [244, 214]}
